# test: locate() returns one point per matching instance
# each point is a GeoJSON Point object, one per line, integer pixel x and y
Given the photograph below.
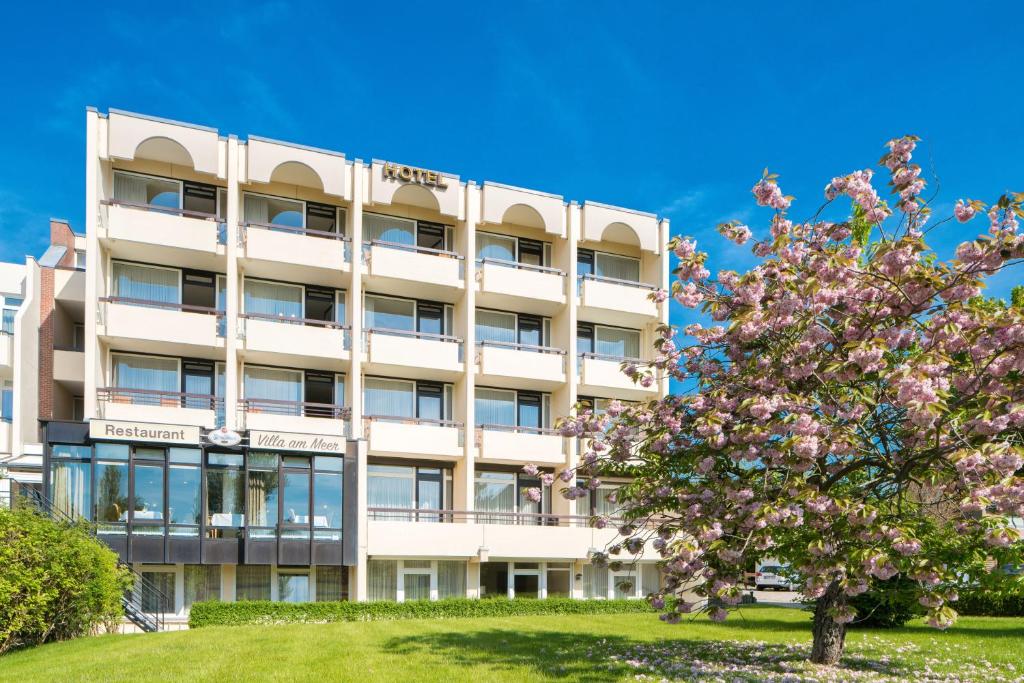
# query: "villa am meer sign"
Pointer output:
{"type": "Point", "coordinates": [289, 441]}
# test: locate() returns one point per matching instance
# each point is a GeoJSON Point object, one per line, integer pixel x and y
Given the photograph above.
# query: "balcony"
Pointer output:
{"type": "Point", "coordinates": [283, 252]}
{"type": "Point", "coordinates": [602, 376]}
{"type": "Point", "coordinates": [295, 416]}
{"type": "Point", "coordinates": [69, 365]}
{"type": "Point", "coordinates": [160, 327]}
{"type": "Point", "coordinates": [69, 285]}
{"type": "Point", "coordinates": [519, 366]}
{"type": "Point", "coordinates": [462, 534]}
{"type": "Point", "coordinates": [148, 233]}
{"type": "Point", "coordinates": [5, 435]}
{"type": "Point", "coordinates": [508, 285]}
{"type": "Point", "coordinates": [616, 302]}
{"type": "Point", "coordinates": [6, 351]}
{"type": "Point", "coordinates": [410, 270]}
{"type": "Point", "coordinates": [163, 407]}
{"type": "Point", "coordinates": [413, 437]}
{"type": "Point", "coordinates": [418, 355]}
{"type": "Point", "coordinates": [519, 445]}
{"type": "Point", "coordinates": [296, 342]}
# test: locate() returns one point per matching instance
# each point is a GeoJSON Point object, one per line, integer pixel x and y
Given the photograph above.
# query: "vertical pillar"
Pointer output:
{"type": "Point", "coordinates": [574, 230]}
{"type": "Point", "coordinates": [465, 471]}
{"type": "Point", "coordinates": [663, 276]}
{"type": "Point", "coordinates": [234, 285]}
{"type": "Point", "coordinates": [358, 584]}
{"type": "Point", "coordinates": [92, 260]}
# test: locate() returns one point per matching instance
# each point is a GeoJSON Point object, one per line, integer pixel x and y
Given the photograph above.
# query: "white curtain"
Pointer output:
{"type": "Point", "coordinates": [390, 314]}
{"type": "Point", "coordinates": [495, 407]}
{"type": "Point", "coordinates": [618, 267]}
{"type": "Point", "coordinates": [147, 283]}
{"type": "Point", "coordinates": [331, 583]}
{"type": "Point", "coordinates": [650, 578]}
{"type": "Point", "coordinates": [252, 582]}
{"type": "Point", "coordinates": [416, 586]}
{"type": "Point", "coordinates": [273, 298]}
{"type": "Point", "coordinates": [612, 341]}
{"type": "Point", "coordinates": [130, 188]}
{"type": "Point", "coordinates": [388, 229]}
{"type": "Point", "coordinates": [495, 247]}
{"type": "Point", "coordinates": [69, 483]}
{"type": "Point", "coordinates": [390, 486]}
{"type": "Point", "coordinates": [257, 209]}
{"type": "Point", "coordinates": [145, 372]}
{"type": "Point", "coordinates": [391, 398]}
{"type": "Point", "coordinates": [382, 579]}
{"type": "Point", "coordinates": [495, 492]}
{"type": "Point", "coordinates": [451, 579]}
{"type": "Point", "coordinates": [494, 326]}
{"type": "Point", "coordinates": [273, 383]}
{"type": "Point", "coordinates": [202, 582]}
{"type": "Point", "coordinates": [603, 506]}
{"type": "Point", "coordinates": [595, 581]}
{"type": "Point", "coordinates": [339, 390]}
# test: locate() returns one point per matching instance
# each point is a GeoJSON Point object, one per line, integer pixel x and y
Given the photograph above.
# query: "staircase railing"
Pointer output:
{"type": "Point", "coordinates": [145, 605]}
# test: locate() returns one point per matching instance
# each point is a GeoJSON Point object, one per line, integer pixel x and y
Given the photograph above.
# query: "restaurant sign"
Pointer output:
{"type": "Point", "coordinates": [290, 441]}
{"type": "Point", "coordinates": [144, 431]}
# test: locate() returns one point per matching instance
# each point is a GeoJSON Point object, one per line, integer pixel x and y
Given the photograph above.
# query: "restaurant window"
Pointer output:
{"type": "Point", "coordinates": [328, 493]}
{"type": "Point", "coordinates": [263, 492]}
{"type": "Point", "coordinates": [202, 583]}
{"type": "Point", "coordinates": [295, 497]}
{"type": "Point", "coordinates": [71, 480]}
{"type": "Point", "coordinates": [331, 583]}
{"type": "Point", "coordinates": [184, 491]}
{"type": "Point", "coordinates": [148, 490]}
{"type": "Point", "coordinates": [225, 491]}
{"type": "Point", "coordinates": [252, 582]}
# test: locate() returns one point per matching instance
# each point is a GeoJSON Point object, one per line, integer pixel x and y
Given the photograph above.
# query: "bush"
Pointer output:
{"type": "Point", "coordinates": [887, 604]}
{"type": "Point", "coordinates": [56, 581]}
{"type": "Point", "coordinates": [991, 603]}
{"type": "Point", "coordinates": [264, 612]}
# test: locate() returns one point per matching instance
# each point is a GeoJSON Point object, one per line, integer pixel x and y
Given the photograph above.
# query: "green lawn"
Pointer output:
{"type": "Point", "coordinates": [564, 648]}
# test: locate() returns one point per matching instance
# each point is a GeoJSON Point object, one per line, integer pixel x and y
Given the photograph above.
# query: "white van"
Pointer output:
{"type": "Point", "coordinates": [770, 577]}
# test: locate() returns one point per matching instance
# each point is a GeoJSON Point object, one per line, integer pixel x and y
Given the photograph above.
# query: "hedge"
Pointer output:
{"type": "Point", "coordinates": [990, 603]}
{"type": "Point", "coordinates": [264, 612]}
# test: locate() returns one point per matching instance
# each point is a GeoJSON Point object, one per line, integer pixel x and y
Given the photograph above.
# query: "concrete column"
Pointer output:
{"type": "Point", "coordinates": [358, 584]}
{"type": "Point", "coordinates": [233, 216]}
{"type": "Point", "coordinates": [574, 231]}
{"type": "Point", "coordinates": [92, 261]}
{"type": "Point", "coordinates": [465, 471]}
{"type": "Point", "coordinates": [664, 232]}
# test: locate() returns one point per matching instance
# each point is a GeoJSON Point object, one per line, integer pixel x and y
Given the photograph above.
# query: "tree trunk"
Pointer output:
{"type": "Point", "coordinates": [829, 637]}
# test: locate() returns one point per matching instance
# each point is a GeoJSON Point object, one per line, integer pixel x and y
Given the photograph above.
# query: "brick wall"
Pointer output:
{"type": "Point", "coordinates": [60, 235]}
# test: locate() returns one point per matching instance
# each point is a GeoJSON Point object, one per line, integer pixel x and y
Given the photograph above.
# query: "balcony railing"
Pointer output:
{"type": "Point", "coordinates": [518, 429]}
{"type": "Point", "coordinates": [295, 408]}
{"type": "Point", "coordinates": [291, 320]}
{"type": "Point", "coordinates": [309, 232]}
{"type": "Point", "coordinates": [617, 281]}
{"type": "Point", "coordinates": [401, 246]}
{"type": "Point", "coordinates": [397, 419]}
{"type": "Point", "coordinates": [410, 334]}
{"type": "Point", "coordinates": [155, 397]}
{"type": "Point", "coordinates": [520, 266]}
{"type": "Point", "coordinates": [609, 357]}
{"type": "Point", "coordinates": [161, 209]}
{"type": "Point", "coordinates": [515, 346]}
{"type": "Point", "coordinates": [398, 514]}
{"type": "Point", "coordinates": [170, 305]}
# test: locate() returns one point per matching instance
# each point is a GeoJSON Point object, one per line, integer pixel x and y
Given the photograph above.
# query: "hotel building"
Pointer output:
{"type": "Point", "coordinates": [267, 371]}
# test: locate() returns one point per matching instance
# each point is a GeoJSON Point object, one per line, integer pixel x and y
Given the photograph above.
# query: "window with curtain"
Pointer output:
{"type": "Point", "coordinates": [382, 579]}
{"type": "Point", "coordinates": [293, 586]}
{"type": "Point", "coordinates": [451, 579]}
{"type": "Point", "coordinates": [613, 341]}
{"type": "Point", "coordinates": [152, 601]}
{"type": "Point", "coordinates": [148, 283]}
{"type": "Point", "coordinates": [331, 583]}
{"type": "Point", "coordinates": [650, 578]}
{"type": "Point", "coordinates": [495, 407]}
{"type": "Point", "coordinates": [389, 397]}
{"type": "Point", "coordinates": [495, 492]}
{"type": "Point", "coordinates": [491, 246]}
{"type": "Point", "coordinates": [618, 267]}
{"type": "Point", "coordinates": [390, 486]}
{"type": "Point", "coordinates": [391, 314]}
{"type": "Point", "coordinates": [262, 492]}
{"type": "Point", "coordinates": [595, 582]}
{"type": "Point", "coordinates": [273, 210]}
{"type": "Point", "coordinates": [8, 320]}
{"type": "Point", "coordinates": [274, 384]}
{"type": "Point", "coordinates": [388, 229]}
{"type": "Point", "coordinates": [145, 372]}
{"type": "Point", "coordinates": [272, 298]}
{"type": "Point", "coordinates": [495, 326]}
{"type": "Point", "coordinates": [339, 390]}
{"type": "Point", "coordinates": [327, 498]}
{"type": "Point", "coordinates": [140, 189]}
{"type": "Point", "coordinates": [70, 487]}
{"type": "Point", "coordinates": [252, 582]}
{"type": "Point", "coordinates": [202, 582]}
{"type": "Point", "coordinates": [602, 505]}
{"type": "Point", "coordinates": [7, 400]}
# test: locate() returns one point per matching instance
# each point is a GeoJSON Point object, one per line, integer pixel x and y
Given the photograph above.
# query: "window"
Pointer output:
{"type": "Point", "coordinates": [271, 389]}
{"type": "Point", "coordinates": [263, 494]}
{"type": "Point", "coordinates": [252, 582]}
{"type": "Point", "coordinates": [202, 582]}
{"type": "Point", "coordinates": [331, 583]}
{"type": "Point", "coordinates": [602, 500]}
{"type": "Point", "coordinates": [382, 579]}
{"type": "Point", "coordinates": [408, 487]}
{"type": "Point", "coordinates": [78, 337]}
{"type": "Point", "coordinates": [451, 579]}
{"type": "Point", "coordinates": [80, 259]}
{"type": "Point", "coordinates": [327, 305]}
{"type": "Point", "coordinates": [146, 283]}
{"type": "Point", "coordinates": [604, 265]}
{"type": "Point", "coordinates": [111, 507]}
{"type": "Point", "coordinates": [225, 491]}
{"type": "Point", "coordinates": [148, 486]}
{"type": "Point", "coordinates": [144, 374]}
{"type": "Point", "coordinates": [493, 579]}
{"type": "Point", "coordinates": [615, 342]}
{"type": "Point", "coordinates": [134, 188]}
{"type": "Point", "coordinates": [559, 580]}
{"type": "Point", "coordinates": [513, 249]}
{"type": "Point", "coordinates": [407, 399]}
{"type": "Point", "coordinates": [295, 497]}
{"type": "Point", "coordinates": [273, 211]}
{"type": "Point", "coordinates": [325, 218]}
{"type": "Point", "coordinates": [292, 585]}
{"type": "Point", "coordinates": [390, 314]}
{"type": "Point", "coordinates": [380, 228]}
{"type": "Point", "coordinates": [500, 327]}
{"type": "Point", "coordinates": [78, 408]}
{"type": "Point", "coordinates": [508, 408]}
{"type": "Point", "coordinates": [163, 599]}
{"type": "Point", "coordinates": [495, 492]}
{"type": "Point", "coordinates": [71, 480]}
{"type": "Point", "coordinates": [7, 401]}
{"type": "Point", "coordinates": [273, 299]}
{"type": "Point", "coordinates": [198, 384]}
{"type": "Point", "coordinates": [184, 488]}
{"type": "Point", "coordinates": [595, 582]}
{"type": "Point", "coordinates": [328, 492]}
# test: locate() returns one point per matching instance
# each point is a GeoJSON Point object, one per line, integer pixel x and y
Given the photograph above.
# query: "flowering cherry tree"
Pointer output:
{"type": "Point", "coordinates": [855, 411]}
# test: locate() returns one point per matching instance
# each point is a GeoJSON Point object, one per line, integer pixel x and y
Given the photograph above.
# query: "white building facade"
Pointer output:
{"type": "Point", "coordinates": [268, 371]}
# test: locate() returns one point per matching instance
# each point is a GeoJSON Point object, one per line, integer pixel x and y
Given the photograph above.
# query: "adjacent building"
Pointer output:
{"type": "Point", "coordinates": [268, 371]}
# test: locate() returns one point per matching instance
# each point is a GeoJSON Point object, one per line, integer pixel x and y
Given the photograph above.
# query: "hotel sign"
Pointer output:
{"type": "Point", "coordinates": [144, 431]}
{"type": "Point", "coordinates": [290, 441]}
{"type": "Point", "coordinates": [412, 174]}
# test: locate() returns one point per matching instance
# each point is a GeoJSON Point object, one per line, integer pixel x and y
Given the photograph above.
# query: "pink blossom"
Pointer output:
{"type": "Point", "coordinates": [964, 212]}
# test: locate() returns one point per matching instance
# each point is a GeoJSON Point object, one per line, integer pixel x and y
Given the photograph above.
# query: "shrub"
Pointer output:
{"type": "Point", "coordinates": [991, 603]}
{"type": "Point", "coordinates": [887, 604]}
{"type": "Point", "coordinates": [56, 581]}
{"type": "Point", "coordinates": [263, 612]}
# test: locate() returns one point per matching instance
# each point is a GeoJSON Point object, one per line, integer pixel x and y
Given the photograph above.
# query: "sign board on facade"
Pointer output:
{"type": "Point", "coordinates": [224, 437]}
{"type": "Point", "coordinates": [290, 441]}
{"type": "Point", "coordinates": [143, 431]}
{"type": "Point", "coordinates": [412, 174]}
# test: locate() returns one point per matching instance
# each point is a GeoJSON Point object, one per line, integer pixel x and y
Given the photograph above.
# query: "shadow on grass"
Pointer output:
{"type": "Point", "coordinates": [554, 655]}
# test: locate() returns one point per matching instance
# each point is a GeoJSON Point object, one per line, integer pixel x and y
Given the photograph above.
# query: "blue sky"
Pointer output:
{"type": "Point", "coordinates": [674, 107]}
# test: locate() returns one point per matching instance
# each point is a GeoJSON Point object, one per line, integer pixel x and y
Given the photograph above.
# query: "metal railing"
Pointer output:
{"type": "Point", "coordinates": [145, 605]}
{"type": "Point", "coordinates": [618, 281]}
{"type": "Point", "coordinates": [532, 348]}
{"type": "Point", "coordinates": [609, 357]}
{"type": "Point", "coordinates": [161, 209]}
{"type": "Point", "coordinates": [308, 232]}
{"type": "Point", "coordinates": [428, 421]}
{"type": "Point", "coordinates": [520, 266]}
{"type": "Point", "coordinates": [517, 429]}
{"type": "Point", "coordinates": [402, 246]}
{"type": "Point", "coordinates": [296, 408]}
{"type": "Point", "coordinates": [291, 320]}
{"type": "Point", "coordinates": [398, 514]}
{"type": "Point", "coordinates": [430, 336]}
{"type": "Point", "coordinates": [155, 397]}
{"type": "Point", "coordinates": [170, 305]}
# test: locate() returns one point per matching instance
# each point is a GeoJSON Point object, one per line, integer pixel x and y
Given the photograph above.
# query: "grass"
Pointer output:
{"type": "Point", "coordinates": [562, 648]}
